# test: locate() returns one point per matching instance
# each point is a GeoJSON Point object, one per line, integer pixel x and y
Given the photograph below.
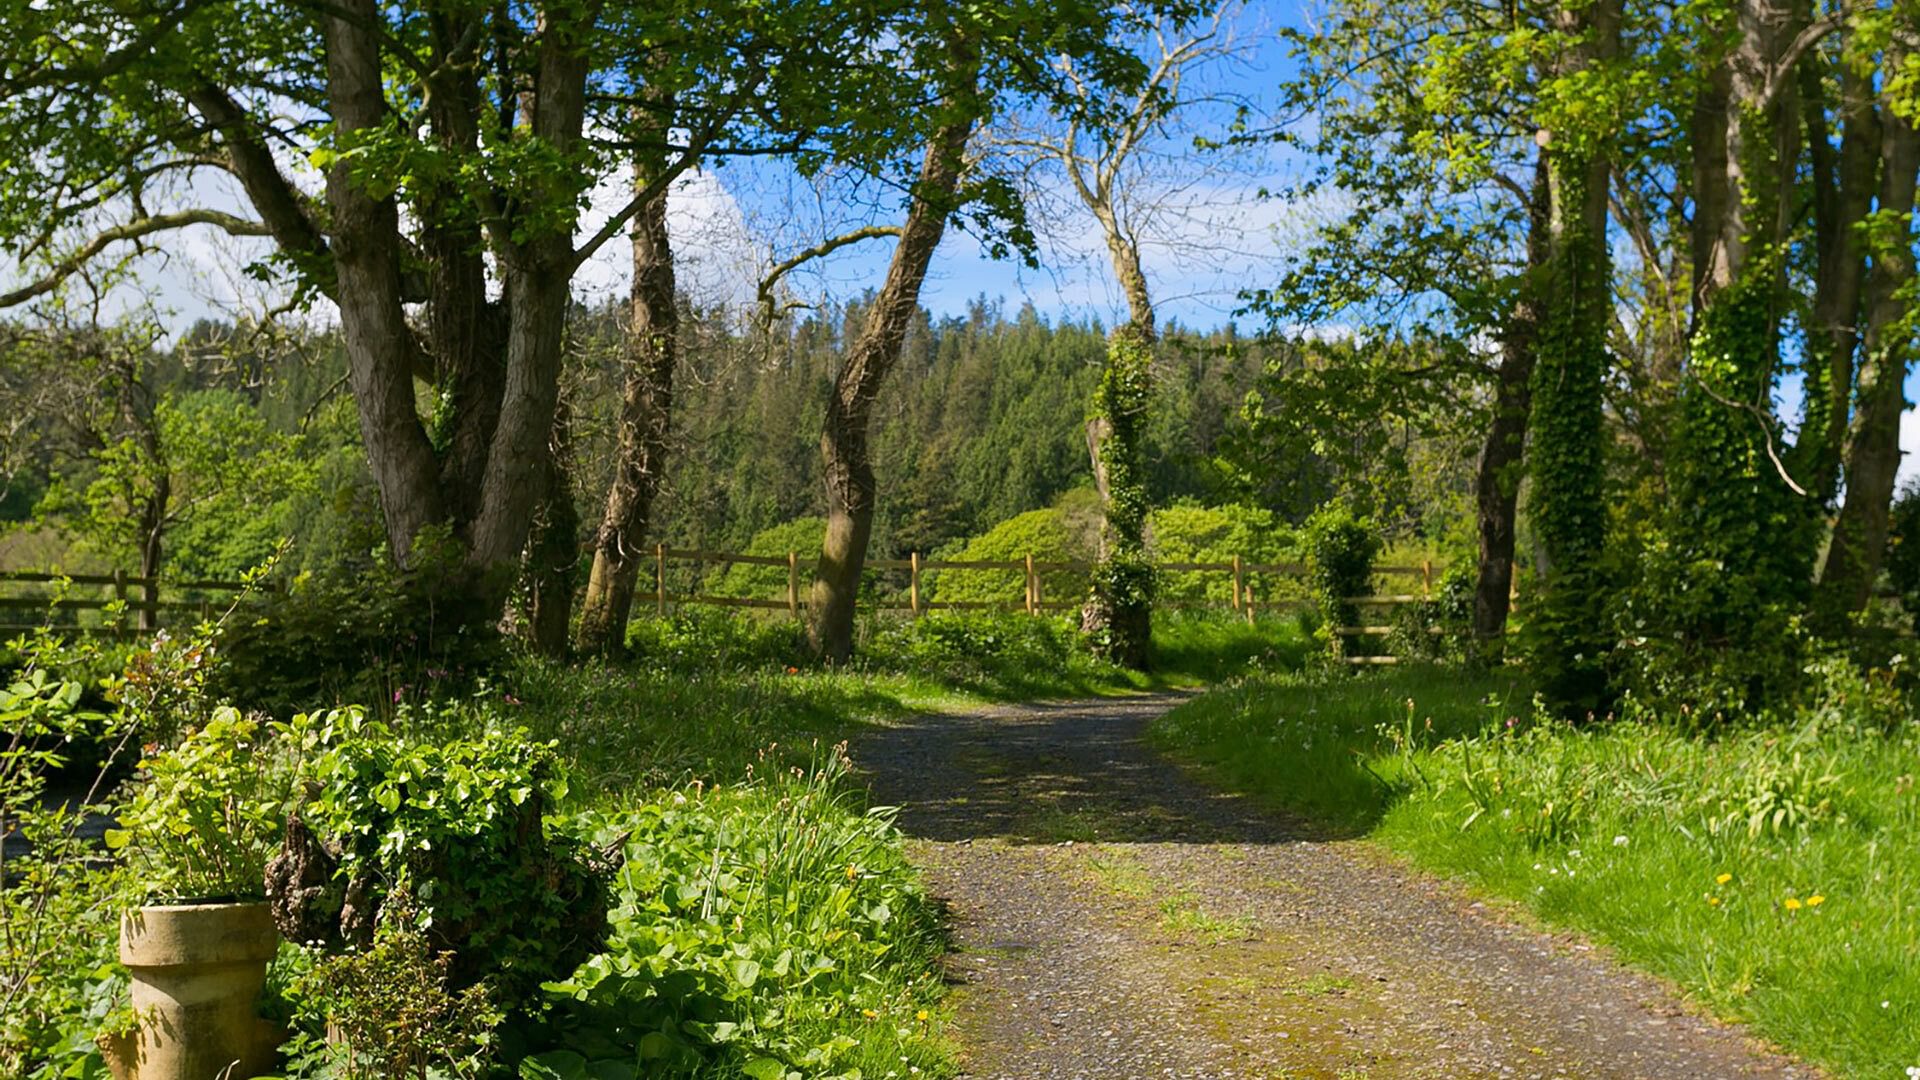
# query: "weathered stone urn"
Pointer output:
{"type": "Point", "coordinates": [197, 970]}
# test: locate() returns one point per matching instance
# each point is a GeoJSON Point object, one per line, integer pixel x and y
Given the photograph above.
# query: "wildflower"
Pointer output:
{"type": "Point", "coordinates": [1793, 903]}
{"type": "Point", "coordinates": [869, 1014]}
{"type": "Point", "coordinates": [1620, 841]}
{"type": "Point", "coordinates": [853, 873]}
{"type": "Point", "coordinates": [1712, 900]}
{"type": "Point", "coordinates": [1816, 900]}
{"type": "Point", "coordinates": [793, 671]}
{"type": "Point", "coordinates": [510, 699]}
{"type": "Point", "coordinates": [1723, 879]}
{"type": "Point", "coordinates": [922, 1016]}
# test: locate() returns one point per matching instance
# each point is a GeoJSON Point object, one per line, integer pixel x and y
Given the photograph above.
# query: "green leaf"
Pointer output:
{"type": "Point", "coordinates": [765, 1069]}
{"type": "Point", "coordinates": [746, 972]}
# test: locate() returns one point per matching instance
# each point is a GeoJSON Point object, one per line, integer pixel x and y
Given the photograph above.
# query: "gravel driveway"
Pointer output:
{"type": "Point", "coordinates": [1116, 919]}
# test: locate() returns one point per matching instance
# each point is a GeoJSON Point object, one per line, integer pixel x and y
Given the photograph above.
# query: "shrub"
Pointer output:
{"type": "Point", "coordinates": [1065, 532]}
{"type": "Point", "coordinates": [757, 930]}
{"type": "Point", "coordinates": [1188, 532]}
{"type": "Point", "coordinates": [365, 633]}
{"type": "Point", "coordinates": [60, 909]}
{"type": "Point", "coordinates": [207, 816]}
{"type": "Point", "coordinates": [389, 1010]}
{"type": "Point", "coordinates": [801, 536]}
{"type": "Point", "coordinates": [996, 653]}
{"type": "Point", "coordinates": [696, 639]}
{"type": "Point", "coordinates": [462, 826]}
{"type": "Point", "coordinates": [1341, 547]}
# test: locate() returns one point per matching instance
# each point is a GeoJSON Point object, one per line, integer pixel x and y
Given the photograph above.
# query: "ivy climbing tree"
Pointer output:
{"type": "Point", "coordinates": [1119, 612]}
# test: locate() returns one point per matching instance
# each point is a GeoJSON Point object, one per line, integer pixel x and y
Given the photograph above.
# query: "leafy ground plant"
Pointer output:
{"type": "Point", "coordinates": [1772, 871]}
{"type": "Point", "coordinates": [767, 930]}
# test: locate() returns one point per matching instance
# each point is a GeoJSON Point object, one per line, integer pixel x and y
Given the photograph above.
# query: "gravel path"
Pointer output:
{"type": "Point", "coordinates": [1116, 919]}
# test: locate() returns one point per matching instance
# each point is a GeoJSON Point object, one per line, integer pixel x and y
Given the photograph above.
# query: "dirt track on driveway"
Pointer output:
{"type": "Point", "coordinates": [1116, 919]}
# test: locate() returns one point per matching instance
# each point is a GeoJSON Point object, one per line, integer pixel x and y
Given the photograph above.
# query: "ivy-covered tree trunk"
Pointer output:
{"type": "Point", "coordinates": [1568, 425]}
{"type": "Point", "coordinates": [848, 466]}
{"type": "Point", "coordinates": [1496, 487]}
{"type": "Point", "coordinates": [1119, 612]}
{"type": "Point", "coordinates": [646, 413]}
{"type": "Point", "coordinates": [1858, 547]}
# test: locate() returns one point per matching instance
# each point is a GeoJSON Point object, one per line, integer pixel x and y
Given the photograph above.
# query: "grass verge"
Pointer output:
{"type": "Point", "coordinates": [1773, 873]}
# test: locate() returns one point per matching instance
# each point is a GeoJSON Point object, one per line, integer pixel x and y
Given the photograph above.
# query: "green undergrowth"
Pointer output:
{"type": "Point", "coordinates": [703, 695]}
{"type": "Point", "coordinates": [1772, 872]}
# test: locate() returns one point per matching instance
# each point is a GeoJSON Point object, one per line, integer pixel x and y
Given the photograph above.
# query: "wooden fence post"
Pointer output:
{"type": "Point", "coordinates": [1033, 588]}
{"type": "Point", "coordinates": [1236, 582]}
{"type": "Point", "coordinates": [793, 584]}
{"type": "Point", "coordinates": [913, 585]}
{"type": "Point", "coordinates": [660, 579]}
{"type": "Point", "coordinates": [1426, 579]}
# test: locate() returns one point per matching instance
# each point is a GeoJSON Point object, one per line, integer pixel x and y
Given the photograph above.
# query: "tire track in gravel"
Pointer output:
{"type": "Point", "coordinates": [1116, 919]}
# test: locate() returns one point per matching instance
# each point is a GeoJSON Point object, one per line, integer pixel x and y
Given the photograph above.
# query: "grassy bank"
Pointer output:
{"type": "Point", "coordinates": [705, 695]}
{"type": "Point", "coordinates": [1773, 873]}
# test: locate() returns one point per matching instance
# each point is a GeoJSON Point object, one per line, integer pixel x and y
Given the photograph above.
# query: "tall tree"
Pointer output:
{"type": "Point", "coordinates": [847, 464]}
{"type": "Point", "coordinates": [1858, 545]}
{"type": "Point", "coordinates": [1571, 364]}
{"type": "Point", "coordinates": [456, 141]}
{"type": "Point", "coordinates": [645, 422]}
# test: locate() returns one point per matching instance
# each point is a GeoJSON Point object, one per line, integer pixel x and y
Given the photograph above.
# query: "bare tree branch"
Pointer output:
{"type": "Point", "coordinates": [132, 230]}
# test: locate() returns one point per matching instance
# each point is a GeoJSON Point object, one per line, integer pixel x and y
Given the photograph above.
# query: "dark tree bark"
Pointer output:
{"type": "Point", "coordinates": [848, 467]}
{"type": "Point", "coordinates": [1496, 487]}
{"type": "Point", "coordinates": [495, 364]}
{"type": "Point", "coordinates": [1843, 186]}
{"type": "Point", "coordinates": [1858, 546]}
{"type": "Point", "coordinates": [553, 550]}
{"type": "Point", "coordinates": [646, 404]}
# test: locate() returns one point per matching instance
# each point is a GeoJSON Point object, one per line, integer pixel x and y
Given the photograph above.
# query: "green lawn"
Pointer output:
{"type": "Point", "coordinates": [1773, 873]}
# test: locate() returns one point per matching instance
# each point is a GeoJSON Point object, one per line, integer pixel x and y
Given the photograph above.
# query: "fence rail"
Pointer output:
{"type": "Point", "coordinates": [150, 610]}
{"type": "Point", "coordinates": [1241, 598]}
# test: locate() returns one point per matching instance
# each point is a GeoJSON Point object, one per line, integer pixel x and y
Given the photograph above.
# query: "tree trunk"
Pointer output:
{"type": "Point", "coordinates": [843, 444]}
{"type": "Point", "coordinates": [553, 551]}
{"type": "Point", "coordinates": [1571, 363]}
{"type": "Point", "coordinates": [539, 278]}
{"type": "Point", "coordinates": [1497, 480]}
{"type": "Point", "coordinates": [367, 247]}
{"type": "Point", "coordinates": [1843, 194]}
{"type": "Point", "coordinates": [1859, 539]}
{"type": "Point", "coordinates": [646, 403]}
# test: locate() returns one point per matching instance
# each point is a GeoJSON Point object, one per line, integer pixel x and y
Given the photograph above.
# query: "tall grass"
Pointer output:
{"type": "Point", "coordinates": [1772, 872]}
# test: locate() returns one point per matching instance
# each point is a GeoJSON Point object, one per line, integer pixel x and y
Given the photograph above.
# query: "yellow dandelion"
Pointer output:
{"type": "Point", "coordinates": [852, 872]}
{"type": "Point", "coordinates": [1816, 900]}
{"type": "Point", "coordinates": [1793, 904]}
{"type": "Point", "coordinates": [1713, 901]}
{"type": "Point", "coordinates": [869, 1013]}
{"type": "Point", "coordinates": [1723, 879]}
{"type": "Point", "coordinates": [922, 1016]}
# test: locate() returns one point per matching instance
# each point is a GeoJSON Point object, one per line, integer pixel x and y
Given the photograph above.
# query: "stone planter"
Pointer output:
{"type": "Point", "coordinates": [197, 970]}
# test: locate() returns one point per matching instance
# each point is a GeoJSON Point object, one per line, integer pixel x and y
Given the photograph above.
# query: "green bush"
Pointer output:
{"type": "Point", "coordinates": [1341, 547]}
{"type": "Point", "coordinates": [997, 654]}
{"type": "Point", "coordinates": [801, 536]}
{"type": "Point", "coordinates": [207, 815]}
{"type": "Point", "coordinates": [60, 981]}
{"type": "Point", "coordinates": [1189, 532]}
{"type": "Point", "coordinates": [700, 639]}
{"type": "Point", "coordinates": [1065, 532]}
{"type": "Point", "coordinates": [355, 634]}
{"type": "Point", "coordinates": [756, 930]}
{"type": "Point", "coordinates": [464, 826]}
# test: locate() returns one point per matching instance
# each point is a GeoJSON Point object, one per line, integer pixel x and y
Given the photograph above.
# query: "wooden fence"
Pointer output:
{"type": "Point", "coordinates": [1241, 574]}
{"type": "Point", "coordinates": [126, 604]}
{"type": "Point", "coordinates": [160, 602]}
